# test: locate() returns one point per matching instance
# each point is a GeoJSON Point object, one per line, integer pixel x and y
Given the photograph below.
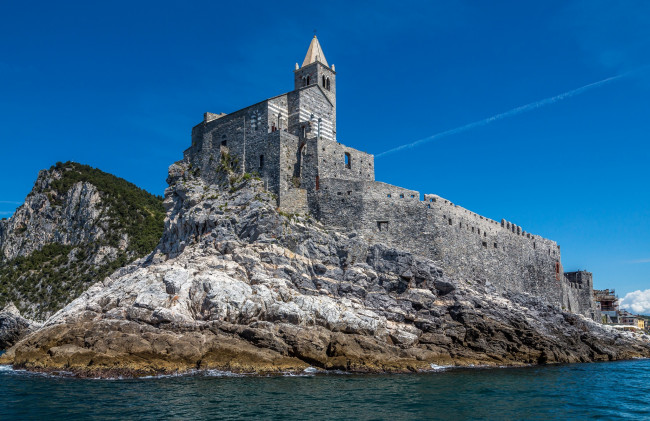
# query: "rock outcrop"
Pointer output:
{"type": "Point", "coordinates": [77, 225]}
{"type": "Point", "coordinates": [236, 285]}
{"type": "Point", "coordinates": [13, 326]}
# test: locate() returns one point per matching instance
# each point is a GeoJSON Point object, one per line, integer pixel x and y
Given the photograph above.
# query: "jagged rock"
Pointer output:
{"type": "Point", "coordinates": [236, 285]}
{"type": "Point", "coordinates": [13, 326]}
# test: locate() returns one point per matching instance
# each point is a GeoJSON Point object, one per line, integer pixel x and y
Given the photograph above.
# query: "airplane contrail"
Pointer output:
{"type": "Point", "coordinates": [509, 113]}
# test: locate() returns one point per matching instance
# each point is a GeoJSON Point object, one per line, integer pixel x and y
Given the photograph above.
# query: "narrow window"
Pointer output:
{"type": "Point", "coordinates": [348, 161]}
{"type": "Point", "coordinates": [323, 81]}
{"type": "Point", "coordinates": [304, 131]}
{"type": "Point", "coordinates": [485, 244]}
{"type": "Point", "coordinates": [388, 195]}
{"type": "Point", "coordinates": [224, 142]}
{"type": "Point", "coordinates": [308, 80]}
{"type": "Point", "coordinates": [401, 196]}
{"type": "Point", "coordinates": [328, 84]}
{"type": "Point", "coordinates": [495, 245]}
{"type": "Point", "coordinates": [261, 161]}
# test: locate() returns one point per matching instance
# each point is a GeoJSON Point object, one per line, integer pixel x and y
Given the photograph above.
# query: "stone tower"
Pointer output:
{"type": "Point", "coordinates": [316, 71]}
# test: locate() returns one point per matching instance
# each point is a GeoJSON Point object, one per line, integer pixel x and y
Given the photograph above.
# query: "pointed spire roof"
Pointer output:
{"type": "Point", "coordinates": [315, 53]}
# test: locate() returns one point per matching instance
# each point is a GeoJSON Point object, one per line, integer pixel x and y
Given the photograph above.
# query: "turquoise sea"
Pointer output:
{"type": "Point", "coordinates": [602, 391]}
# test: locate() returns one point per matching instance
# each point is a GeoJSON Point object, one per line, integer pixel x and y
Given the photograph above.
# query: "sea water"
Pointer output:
{"type": "Point", "coordinates": [607, 391]}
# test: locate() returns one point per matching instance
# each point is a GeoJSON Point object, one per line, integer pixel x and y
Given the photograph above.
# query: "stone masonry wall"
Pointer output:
{"type": "Point", "coordinates": [332, 162]}
{"type": "Point", "coordinates": [467, 245]}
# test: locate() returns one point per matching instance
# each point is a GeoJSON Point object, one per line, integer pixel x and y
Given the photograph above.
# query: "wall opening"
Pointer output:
{"type": "Point", "coordinates": [382, 225]}
{"type": "Point", "coordinates": [348, 161]}
{"type": "Point", "coordinates": [328, 84]}
{"type": "Point", "coordinates": [485, 244]}
{"type": "Point", "coordinates": [388, 195]}
{"type": "Point", "coordinates": [401, 196]}
{"type": "Point", "coordinates": [261, 161]}
{"type": "Point", "coordinates": [323, 81]}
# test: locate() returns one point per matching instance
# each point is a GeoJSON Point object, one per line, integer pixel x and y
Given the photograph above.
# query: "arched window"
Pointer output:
{"type": "Point", "coordinates": [348, 161]}
{"type": "Point", "coordinates": [304, 81]}
{"type": "Point", "coordinates": [328, 84]}
{"type": "Point", "coordinates": [323, 81]}
{"type": "Point", "coordinates": [307, 79]}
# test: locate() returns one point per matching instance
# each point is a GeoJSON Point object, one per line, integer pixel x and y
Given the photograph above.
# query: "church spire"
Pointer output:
{"type": "Point", "coordinates": [315, 53]}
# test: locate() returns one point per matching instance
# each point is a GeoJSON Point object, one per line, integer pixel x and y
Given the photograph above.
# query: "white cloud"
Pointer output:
{"type": "Point", "coordinates": [637, 302]}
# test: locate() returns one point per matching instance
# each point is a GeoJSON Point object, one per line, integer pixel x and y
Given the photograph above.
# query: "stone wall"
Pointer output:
{"type": "Point", "coordinates": [332, 162]}
{"type": "Point", "coordinates": [466, 245]}
{"type": "Point", "coordinates": [294, 201]}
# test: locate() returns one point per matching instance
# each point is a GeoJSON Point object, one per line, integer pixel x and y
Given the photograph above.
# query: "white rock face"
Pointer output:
{"type": "Point", "coordinates": [76, 220]}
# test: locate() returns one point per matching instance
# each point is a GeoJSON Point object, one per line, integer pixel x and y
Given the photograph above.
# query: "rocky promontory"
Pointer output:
{"type": "Point", "coordinates": [235, 284]}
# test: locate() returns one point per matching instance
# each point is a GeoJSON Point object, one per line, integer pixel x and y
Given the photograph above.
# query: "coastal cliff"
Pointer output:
{"type": "Point", "coordinates": [77, 225]}
{"type": "Point", "coordinates": [234, 284]}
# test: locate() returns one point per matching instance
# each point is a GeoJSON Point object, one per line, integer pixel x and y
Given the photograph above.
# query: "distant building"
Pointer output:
{"type": "Point", "coordinates": [607, 301]}
{"type": "Point", "coordinates": [627, 318]}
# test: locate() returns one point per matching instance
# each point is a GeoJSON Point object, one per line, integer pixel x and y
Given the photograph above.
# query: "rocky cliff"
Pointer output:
{"type": "Point", "coordinates": [236, 285]}
{"type": "Point", "coordinates": [77, 225]}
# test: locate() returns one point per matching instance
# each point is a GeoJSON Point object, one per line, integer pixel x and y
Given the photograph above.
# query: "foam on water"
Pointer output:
{"type": "Point", "coordinates": [6, 368]}
{"type": "Point", "coordinates": [435, 367]}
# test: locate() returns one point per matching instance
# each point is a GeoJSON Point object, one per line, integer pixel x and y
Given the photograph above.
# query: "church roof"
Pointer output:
{"type": "Point", "coordinates": [315, 53]}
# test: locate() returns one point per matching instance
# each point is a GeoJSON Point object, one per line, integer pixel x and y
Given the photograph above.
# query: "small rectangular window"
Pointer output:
{"type": "Point", "coordinates": [348, 161]}
{"type": "Point", "coordinates": [261, 161]}
{"type": "Point", "coordinates": [382, 225]}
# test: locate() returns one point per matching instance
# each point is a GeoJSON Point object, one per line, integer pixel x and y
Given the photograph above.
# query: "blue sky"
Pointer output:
{"type": "Point", "coordinates": [118, 85]}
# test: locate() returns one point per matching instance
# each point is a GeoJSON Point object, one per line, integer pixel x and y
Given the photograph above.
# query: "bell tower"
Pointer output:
{"type": "Point", "coordinates": [315, 72]}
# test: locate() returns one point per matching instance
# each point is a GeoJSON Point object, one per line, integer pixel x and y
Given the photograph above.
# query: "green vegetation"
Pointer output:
{"type": "Point", "coordinates": [48, 279]}
{"type": "Point", "coordinates": [130, 208]}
